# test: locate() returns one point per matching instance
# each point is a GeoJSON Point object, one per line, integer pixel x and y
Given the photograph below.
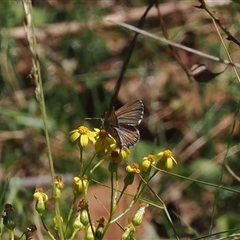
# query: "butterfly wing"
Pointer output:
{"type": "Point", "coordinates": [111, 124]}
{"type": "Point", "coordinates": [128, 135]}
{"type": "Point", "coordinates": [121, 124]}
{"type": "Point", "coordinates": [130, 113]}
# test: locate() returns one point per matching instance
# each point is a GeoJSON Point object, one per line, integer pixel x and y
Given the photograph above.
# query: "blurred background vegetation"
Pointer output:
{"type": "Point", "coordinates": [81, 54]}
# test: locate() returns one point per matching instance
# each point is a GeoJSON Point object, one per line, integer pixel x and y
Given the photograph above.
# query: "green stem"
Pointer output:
{"type": "Point", "coordinates": [40, 97]}
{"type": "Point", "coordinates": [12, 235]}
{"type": "Point", "coordinates": [199, 181]}
{"type": "Point", "coordinates": [90, 219]}
{"type": "Point", "coordinates": [128, 209]}
{"type": "Point", "coordinates": [70, 214]}
{"type": "Point", "coordinates": [81, 161]}
{"type": "Point", "coordinates": [45, 227]}
{"type": "Point", "coordinates": [135, 198]}
{"type": "Point", "coordinates": [170, 220]}
{"type": "Point", "coordinates": [115, 193]}
{"type": "Point", "coordinates": [112, 168]}
{"type": "Point", "coordinates": [89, 163]}
{"type": "Point", "coordinates": [112, 196]}
{"type": "Point", "coordinates": [73, 234]}
{"type": "Point", "coordinates": [96, 166]}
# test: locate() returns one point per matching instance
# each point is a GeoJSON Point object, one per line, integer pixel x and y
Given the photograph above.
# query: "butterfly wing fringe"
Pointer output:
{"type": "Point", "coordinates": [128, 135]}
{"type": "Point", "coordinates": [130, 113]}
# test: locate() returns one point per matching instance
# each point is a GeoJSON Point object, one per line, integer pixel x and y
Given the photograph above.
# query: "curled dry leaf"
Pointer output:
{"type": "Point", "coordinates": [201, 74]}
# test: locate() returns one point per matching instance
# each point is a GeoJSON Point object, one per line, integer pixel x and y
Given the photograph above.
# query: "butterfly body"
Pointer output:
{"type": "Point", "coordinates": [121, 124]}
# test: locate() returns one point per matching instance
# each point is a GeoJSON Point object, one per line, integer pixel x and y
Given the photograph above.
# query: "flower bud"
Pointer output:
{"type": "Point", "coordinates": [77, 224]}
{"type": "Point", "coordinates": [100, 227]}
{"type": "Point", "coordinates": [137, 219]}
{"type": "Point", "coordinates": [128, 180]}
{"type": "Point", "coordinates": [9, 219]}
{"type": "Point", "coordinates": [84, 217]}
{"type": "Point", "coordinates": [128, 233]}
{"type": "Point", "coordinates": [55, 223]}
{"type": "Point", "coordinates": [89, 233]}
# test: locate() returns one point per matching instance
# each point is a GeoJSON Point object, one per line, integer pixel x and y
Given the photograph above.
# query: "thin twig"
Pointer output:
{"type": "Point", "coordinates": [218, 22]}
{"type": "Point", "coordinates": [164, 40]}
{"type": "Point", "coordinates": [129, 54]}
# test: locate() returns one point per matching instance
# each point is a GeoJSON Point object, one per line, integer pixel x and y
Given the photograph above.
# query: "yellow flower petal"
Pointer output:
{"type": "Point", "coordinates": [125, 153]}
{"type": "Point", "coordinates": [145, 165]}
{"type": "Point", "coordinates": [84, 140]}
{"type": "Point", "coordinates": [74, 136]}
{"type": "Point", "coordinates": [169, 163]}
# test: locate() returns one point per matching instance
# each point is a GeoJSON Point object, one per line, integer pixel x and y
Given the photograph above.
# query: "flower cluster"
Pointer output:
{"type": "Point", "coordinates": [107, 148]}
{"type": "Point", "coordinates": [165, 161]}
{"type": "Point", "coordinates": [102, 141]}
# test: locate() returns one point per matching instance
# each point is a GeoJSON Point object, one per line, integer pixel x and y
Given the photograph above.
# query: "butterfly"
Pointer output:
{"type": "Point", "coordinates": [121, 124]}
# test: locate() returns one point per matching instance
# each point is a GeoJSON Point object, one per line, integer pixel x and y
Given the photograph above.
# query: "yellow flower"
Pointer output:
{"type": "Point", "coordinates": [115, 154]}
{"type": "Point", "coordinates": [59, 186]}
{"type": "Point", "coordinates": [133, 168]}
{"type": "Point", "coordinates": [103, 140]}
{"type": "Point", "coordinates": [84, 134]}
{"type": "Point", "coordinates": [41, 198]}
{"type": "Point", "coordinates": [58, 182]}
{"type": "Point", "coordinates": [147, 162]}
{"type": "Point", "coordinates": [166, 160]}
{"type": "Point", "coordinates": [40, 195]}
{"type": "Point", "coordinates": [80, 184]}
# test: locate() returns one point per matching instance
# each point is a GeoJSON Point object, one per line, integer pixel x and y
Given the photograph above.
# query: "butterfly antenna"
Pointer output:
{"type": "Point", "coordinates": [92, 118]}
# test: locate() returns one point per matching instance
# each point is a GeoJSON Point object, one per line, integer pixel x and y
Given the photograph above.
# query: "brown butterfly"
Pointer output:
{"type": "Point", "coordinates": [121, 124]}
